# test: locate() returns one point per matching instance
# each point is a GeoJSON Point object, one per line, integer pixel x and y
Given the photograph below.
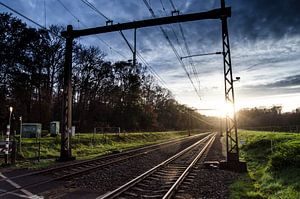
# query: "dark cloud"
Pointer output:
{"type": "Point", "coordinates": [288, 84]}
{"type": "Point", "coordinates": [262, 91]}
{"type": "Point", "coordinates": [259, 19]}
{"type": "Point", "coordinates": [253, 19]}
{"type": "Point", "coordinates": [178, 76]}
{"type": "Point", "coordinates": [268, 62]}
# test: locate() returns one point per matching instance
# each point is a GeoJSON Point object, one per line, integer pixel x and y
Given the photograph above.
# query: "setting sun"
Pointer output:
{"type": "Point", "coordinates": [224, 110]}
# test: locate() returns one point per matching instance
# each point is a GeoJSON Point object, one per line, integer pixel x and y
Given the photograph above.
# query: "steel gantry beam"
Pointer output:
{"type": "Point", "coordinates": [213, 14]}
{"type": "Point", "coordinates": [223, 13]}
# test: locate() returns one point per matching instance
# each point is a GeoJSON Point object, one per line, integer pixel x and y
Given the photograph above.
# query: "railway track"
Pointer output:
{"type": "Point", "coordinates": [84, 167]}
{"type": "Point", "coordinates": [163, 180]}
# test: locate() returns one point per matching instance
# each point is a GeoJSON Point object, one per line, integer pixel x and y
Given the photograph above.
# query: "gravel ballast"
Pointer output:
{"type": "Point", "coordinates": [114, 176]}
{"type": "Point", "coordinates": [111, 177]}
{"type": "Point", "coordinates": [202, 183]}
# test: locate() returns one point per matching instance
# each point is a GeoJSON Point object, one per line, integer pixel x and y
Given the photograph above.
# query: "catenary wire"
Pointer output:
{"type": "Point", "coordinates": [32, 21]}
{"type": "Point", "coordinates": [151, 69]}
{"type": "Point", "coordinates": [191, 61]}
{"type": "Point", "coordinates": [173, 48]}
{"type": "Point", "coordinates": [84, 25]}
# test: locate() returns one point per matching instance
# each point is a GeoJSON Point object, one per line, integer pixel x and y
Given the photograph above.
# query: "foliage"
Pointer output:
{"type": "Point", "coordinates": [286, 154]}
{"type": "Point", "coordinates": [273, 165]}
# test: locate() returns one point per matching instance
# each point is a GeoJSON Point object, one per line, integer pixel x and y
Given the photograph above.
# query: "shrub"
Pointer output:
{"type": "Point", "coordinates": [286, 154]}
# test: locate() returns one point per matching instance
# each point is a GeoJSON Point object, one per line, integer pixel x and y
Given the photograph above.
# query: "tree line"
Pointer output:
{"type": "Point", "coordinates": [269, 119]}
{"type": "Point", "coordinates": [105, 93]}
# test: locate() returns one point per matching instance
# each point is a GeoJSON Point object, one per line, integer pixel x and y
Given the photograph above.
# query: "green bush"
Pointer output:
{"type": "Point", "coordinates": [258, 144]}
{"type": "Point", "coordinates": [286, 154]}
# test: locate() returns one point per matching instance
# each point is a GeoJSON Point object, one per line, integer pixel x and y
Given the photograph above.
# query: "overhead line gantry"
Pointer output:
{"type": "Point", "coordinates": [213, 14]}
{"type": "Point", "coordinates": [223, 13]}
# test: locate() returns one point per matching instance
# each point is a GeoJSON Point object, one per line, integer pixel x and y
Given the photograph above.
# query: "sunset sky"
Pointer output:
{"type": "Point", "coordinates": [264, 38]}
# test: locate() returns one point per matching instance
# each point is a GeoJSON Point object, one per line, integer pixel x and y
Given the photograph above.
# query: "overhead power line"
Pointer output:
{"type": "Point", "coordinates": [196, 117]}
{"type": "Point", "coordinates": [127, 42]}
{"type": "Point", "coordinates": [142, 59]}
{"type": "Point", "coordinates": [202, 120]}
{"type": "Point", "coordinates": [32, 21]}
{"type": "Point", "coordinates": [171, 26]}
{"type": "Point", "coordinates": [89, 4]}
{"type": "Point", "coordinates": [191, 61]}
{"type": "Point", "coordinates": [78, 20]}
{"type": "Point", "coordinates": [173, 48]}
{"type": "Point", "coordinates": [158, 77]}
{"type": "Point", "coordinates": [53, 33]}
{"type": "Point", "coordinates": [69, 11]}
{"type": "Point", "coordinates": [45, 13]}
{"type": "Point", "coordinates": [172, 4]}
{"type": "Point", "coordinates": [200, 55]}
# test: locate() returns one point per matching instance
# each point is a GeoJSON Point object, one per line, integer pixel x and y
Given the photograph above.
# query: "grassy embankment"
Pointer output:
{"type": "Point", "coordinates": [85, 146]}
{"type": "Point", "coordinates": [273, 161]}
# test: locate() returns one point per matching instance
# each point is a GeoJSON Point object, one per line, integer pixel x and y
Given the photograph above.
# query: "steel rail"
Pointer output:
{"type": "Point", "coordinates": [86, 170]}
{"type": "Point", "coordinates": [175, 186]}
{"type": "Point", "coordinates": [136, 180]}
{"type": "Point", "coordinates": [173, 141]}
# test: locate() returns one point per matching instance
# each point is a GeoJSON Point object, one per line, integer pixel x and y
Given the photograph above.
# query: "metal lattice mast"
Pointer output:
{"type": "Point", "coordinates": [231, 124]}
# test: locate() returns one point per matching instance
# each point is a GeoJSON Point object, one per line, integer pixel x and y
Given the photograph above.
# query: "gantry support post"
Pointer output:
{"type": "Point", "coordinates": [190, 119]}
{"type": "Point", "coordinates": [221, 127]}
{"type": "Point", "coordinates": [65, 152]}
{"type": "Point", "coordinates": [134, 48]}
{"type": "Point", "coordinates": [232, 149]}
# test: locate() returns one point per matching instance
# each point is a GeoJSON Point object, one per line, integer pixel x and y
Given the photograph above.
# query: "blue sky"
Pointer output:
{"type": "Point", "coordinates": [264, 36]}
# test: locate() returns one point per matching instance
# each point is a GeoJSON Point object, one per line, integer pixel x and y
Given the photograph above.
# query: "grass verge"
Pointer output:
{"type": "Point", "coordinates": [86, 146]}
{"type": "Point", "coordinates": [273, 161]}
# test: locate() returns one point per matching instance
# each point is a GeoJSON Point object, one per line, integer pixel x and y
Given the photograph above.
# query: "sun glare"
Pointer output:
{"type": "Point", "coordinates": [225, 109]}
